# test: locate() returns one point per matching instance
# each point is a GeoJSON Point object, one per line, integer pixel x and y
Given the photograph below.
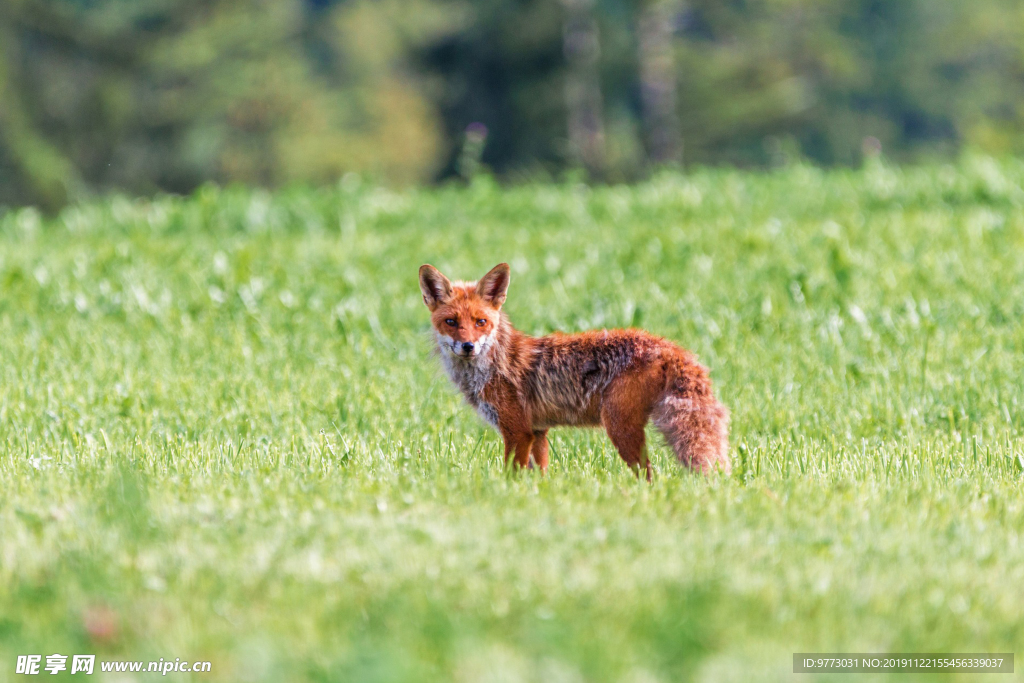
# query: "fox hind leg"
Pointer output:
{"type": "Point", "coordinates": [630, 441]}
{"type": "Point", "coordinates": [624, 411]}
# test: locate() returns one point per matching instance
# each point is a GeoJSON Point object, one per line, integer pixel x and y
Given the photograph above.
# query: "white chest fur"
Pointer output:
{"type": "Point", "coordinates": [471, 375]}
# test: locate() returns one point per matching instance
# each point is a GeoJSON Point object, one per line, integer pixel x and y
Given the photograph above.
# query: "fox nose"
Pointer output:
{"type": "Point", "coordinates": [467, 347]}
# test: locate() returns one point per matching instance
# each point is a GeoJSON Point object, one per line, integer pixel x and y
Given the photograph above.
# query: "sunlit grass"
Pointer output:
{"type": "Point", "coordinates": [223, 431]}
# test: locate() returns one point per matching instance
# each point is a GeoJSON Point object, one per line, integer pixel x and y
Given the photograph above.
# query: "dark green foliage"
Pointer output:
{"type": "Point", "coordinates": [167, 94]}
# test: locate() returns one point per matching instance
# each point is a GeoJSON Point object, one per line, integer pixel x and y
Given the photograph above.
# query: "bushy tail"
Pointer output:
{"type": "Point", "coordinates": [691, 419]}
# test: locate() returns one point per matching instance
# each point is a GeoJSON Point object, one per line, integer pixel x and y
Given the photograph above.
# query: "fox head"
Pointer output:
{"type": "Point", "coordinates": [465, 315]}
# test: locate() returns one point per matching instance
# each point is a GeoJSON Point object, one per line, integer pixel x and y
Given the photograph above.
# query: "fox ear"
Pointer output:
{"type": "Point", "coordinates": [493, 286]}
{"type": "Point", "coordinates": [435, 287]}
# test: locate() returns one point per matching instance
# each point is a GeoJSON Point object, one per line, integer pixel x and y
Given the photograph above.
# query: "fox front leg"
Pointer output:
{"type": "Point", "coordinates": [517, 447]}
{"type": "Point", "coordinates": [513, 422]}
{"type": "Point", "coordinates": [539, 451]}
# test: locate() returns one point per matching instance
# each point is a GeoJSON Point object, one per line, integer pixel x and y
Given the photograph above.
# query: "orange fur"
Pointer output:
{"type": "Point", "coordinates": [618, 379]}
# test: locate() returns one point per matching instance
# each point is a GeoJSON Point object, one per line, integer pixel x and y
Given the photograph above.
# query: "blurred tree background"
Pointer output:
{"type": "Point", "coordinates": [162, 95]}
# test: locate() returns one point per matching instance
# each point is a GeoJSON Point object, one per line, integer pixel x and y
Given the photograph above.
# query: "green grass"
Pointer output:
{"type": "Point", "coordinates": [224, 436]}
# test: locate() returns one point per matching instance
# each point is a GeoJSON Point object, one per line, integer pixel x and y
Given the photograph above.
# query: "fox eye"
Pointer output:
{"type": "Point", "coordinates": [481, 322]}
{"type": "Point", "coordinates": [450, 322]}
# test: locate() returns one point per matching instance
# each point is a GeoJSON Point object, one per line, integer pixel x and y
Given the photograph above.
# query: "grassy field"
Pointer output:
{"type": "Point", "coordinates": [224, 436]}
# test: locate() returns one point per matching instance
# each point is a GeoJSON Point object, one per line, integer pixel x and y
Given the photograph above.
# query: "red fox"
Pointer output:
{"type": "Point", "coordinates": [524, 385]}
